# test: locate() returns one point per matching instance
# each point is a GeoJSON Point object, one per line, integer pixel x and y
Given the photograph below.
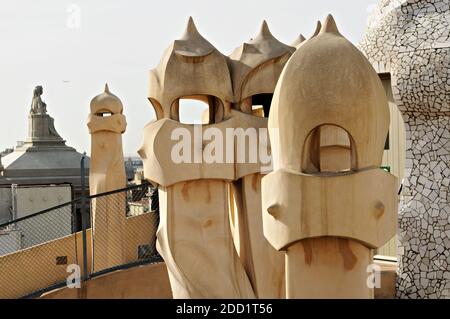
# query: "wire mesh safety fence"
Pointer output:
{"type": "Point", "coordinates": [124, 228]}
{"type": "Point", "coordinates": [35, 251]}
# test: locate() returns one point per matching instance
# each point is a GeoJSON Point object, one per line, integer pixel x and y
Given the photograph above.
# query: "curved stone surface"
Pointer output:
{"type": "Point", "coordinates": [410, 39]}
{"type": "Point", "coordinates": [301, 87]}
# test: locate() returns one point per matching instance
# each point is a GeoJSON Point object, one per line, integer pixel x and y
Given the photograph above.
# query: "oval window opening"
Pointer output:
{"type": "Point", "coordinates": [258, 104]}
{"type": "Point", "coordinates": [193, 112]}
{"type": "Point", "coordinates": [198, 109]}
{"type": "Point", "coordinates": [328, 149]}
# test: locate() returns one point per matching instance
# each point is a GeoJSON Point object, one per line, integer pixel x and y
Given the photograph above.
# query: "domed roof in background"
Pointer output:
{"type": "Point", "coordinates": [44, 157]}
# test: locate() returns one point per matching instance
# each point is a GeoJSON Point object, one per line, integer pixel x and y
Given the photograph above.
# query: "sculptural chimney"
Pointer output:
{"type": "Point", "coordinates": [328, 203]}
{"type": "Point", "coordinates": [194, 236]}
{"type": "Point", "coordinates": [106, 125]}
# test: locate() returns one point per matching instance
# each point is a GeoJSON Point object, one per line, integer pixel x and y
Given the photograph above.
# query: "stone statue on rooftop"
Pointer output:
{"type": "Point", "coordinates": [41, 125]}
{"type": "Point", "coordinates": [37, 105]}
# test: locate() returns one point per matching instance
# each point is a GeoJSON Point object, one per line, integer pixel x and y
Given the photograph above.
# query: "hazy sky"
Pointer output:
{"type": "Point", "coordinates": [119, 41]}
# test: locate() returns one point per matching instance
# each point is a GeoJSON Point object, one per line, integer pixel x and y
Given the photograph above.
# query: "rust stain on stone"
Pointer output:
{"type": "Point", "coordinates": [379, 209]}
{"type": "Point", "coordinates": [307, 247]}
{"type": "Point", "coordinates": [347, 254]}
{"type": "Point", "coordinates": [207, 223]}
{"type": "Point", "coordinates": [185, 191]}
{"type": "Point", "coordinates": [208, 193]}
{"type": "Point", "coordinates": [254, 182]}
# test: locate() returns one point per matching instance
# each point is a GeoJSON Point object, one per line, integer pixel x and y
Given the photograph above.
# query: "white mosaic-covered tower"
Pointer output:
{"type": "Point", "coordinates": [410, 40]}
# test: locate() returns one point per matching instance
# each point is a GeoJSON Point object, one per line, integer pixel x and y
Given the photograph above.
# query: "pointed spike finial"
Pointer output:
{"type": "Point", "coordinates": [191, 28]}
{"type": "Point", "coordinates": [107, 88]}
{"type": "Point", "coordinates": [300, 39]}
{"type": "Point", "coordinates": [317, 30]}
{"type": "Point", "coordinates": [329, 25]}
{"type": "Point", "coordinates": [265, 29]}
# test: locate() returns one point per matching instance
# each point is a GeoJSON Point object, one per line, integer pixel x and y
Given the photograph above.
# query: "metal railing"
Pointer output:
{"type": "Point", "coordinates": [36, 250]}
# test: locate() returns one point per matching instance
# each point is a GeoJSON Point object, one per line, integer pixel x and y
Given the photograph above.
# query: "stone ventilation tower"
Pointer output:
{"type": "Point", "coordinates": [327, 203]}
{"type": "Point", "coordinates": [106, 125]}
{"type": "Point", "coordinates": [411, 41]}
